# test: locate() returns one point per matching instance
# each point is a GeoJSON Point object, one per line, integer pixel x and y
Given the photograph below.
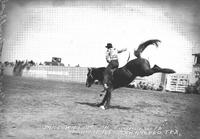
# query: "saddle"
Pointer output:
{"type": "Point", "coordinates": [113, 70]}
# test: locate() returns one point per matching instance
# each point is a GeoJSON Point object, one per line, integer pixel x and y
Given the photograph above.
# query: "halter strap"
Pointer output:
{"type": "Point", "coordinates": [91, 74]}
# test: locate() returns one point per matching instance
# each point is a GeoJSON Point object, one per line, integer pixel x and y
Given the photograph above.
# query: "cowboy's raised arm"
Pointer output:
{"type": "Point", "coordinates": [122, 50]}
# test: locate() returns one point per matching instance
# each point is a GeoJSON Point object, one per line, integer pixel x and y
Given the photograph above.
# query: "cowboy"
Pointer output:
{"type": "Point", "coordinates": [113, 63]}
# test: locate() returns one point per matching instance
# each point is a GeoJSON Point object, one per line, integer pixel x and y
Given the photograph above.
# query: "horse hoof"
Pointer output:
{"type": "Point", "coordinates": [169, 71]}
{"type": "Point", "coordinates": [99, 104]}
{"type": "Point", "coordinates": [172, 71]}
{"type": "Point", "coordinates": [102, 107]}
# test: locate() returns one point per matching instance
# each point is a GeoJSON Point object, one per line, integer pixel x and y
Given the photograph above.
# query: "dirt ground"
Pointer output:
{"type": "Point", "coordinates": [41, 109]}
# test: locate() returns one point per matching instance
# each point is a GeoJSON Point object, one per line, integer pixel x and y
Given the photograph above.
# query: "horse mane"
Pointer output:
{"type": "Point", "coordinates": [101, 68]}
{"type": "Point", "coordinates": [143, 45]}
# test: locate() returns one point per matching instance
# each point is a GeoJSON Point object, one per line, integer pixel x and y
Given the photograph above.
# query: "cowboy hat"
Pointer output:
{"type": "Point", "coordinates": [109, 45]}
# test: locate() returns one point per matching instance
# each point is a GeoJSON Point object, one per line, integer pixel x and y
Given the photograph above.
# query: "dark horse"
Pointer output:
{"type": "Point", "coordinates": [126, 74]}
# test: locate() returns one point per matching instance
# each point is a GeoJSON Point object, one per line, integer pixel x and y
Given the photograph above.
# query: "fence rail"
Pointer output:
{"type": "Point", "coordinates": [60, 73]}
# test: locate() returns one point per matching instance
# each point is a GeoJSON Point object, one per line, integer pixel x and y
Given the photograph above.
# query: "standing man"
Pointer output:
{"type": "Point", "coordinates": [113, 63]}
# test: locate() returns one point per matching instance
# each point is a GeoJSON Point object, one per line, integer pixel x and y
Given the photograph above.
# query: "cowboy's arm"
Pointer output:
{"type": "Point", "coordinates": [122, 50]}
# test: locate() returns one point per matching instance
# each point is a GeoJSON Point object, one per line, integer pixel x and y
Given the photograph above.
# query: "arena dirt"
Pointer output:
{"type": "Point", "coordinates": [38, 109]}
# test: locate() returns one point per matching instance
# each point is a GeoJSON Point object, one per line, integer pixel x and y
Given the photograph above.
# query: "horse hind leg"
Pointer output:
{"type": "Point", "coordinates": [163, 70]}
{"type": "Point", "coordinates": [157, 69]}
{"type": "Point", "coordinates": [148, 72]}
{"type": "Point", "coordinates": [169, 71]}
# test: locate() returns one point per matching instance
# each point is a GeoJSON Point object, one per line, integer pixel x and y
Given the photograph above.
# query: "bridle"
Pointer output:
{"type": "Point", "coordinates": [90, 75]}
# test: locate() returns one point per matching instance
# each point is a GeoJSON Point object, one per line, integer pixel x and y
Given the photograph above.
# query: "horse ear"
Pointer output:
{"type": "Point", "coordinates": [89, 69]}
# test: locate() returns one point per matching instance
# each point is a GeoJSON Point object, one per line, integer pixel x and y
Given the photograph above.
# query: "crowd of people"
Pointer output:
{"type": "Point", "coordinates": [12, 64]}
{"type": "Point", "coordinates": [146, 86]}
{"type": "Point", "coordinates": [19, 65]}
{"type": "Point", "coordinates": [32, 63]}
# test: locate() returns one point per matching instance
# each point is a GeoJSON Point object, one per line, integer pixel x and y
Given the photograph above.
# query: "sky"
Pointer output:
{"type": "Point", "coordinates": [77, 31]}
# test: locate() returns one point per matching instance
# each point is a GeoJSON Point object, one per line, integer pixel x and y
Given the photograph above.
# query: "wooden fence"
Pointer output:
{"type": "Point", "coordinates": [173, 82]}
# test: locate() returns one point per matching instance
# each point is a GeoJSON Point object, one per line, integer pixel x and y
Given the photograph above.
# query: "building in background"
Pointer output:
{"type": "Point", "coordinates": [56, 61]}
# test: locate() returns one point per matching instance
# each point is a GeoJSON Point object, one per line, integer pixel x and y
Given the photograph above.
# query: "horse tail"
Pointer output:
{"type": "Point", "coordinates": [143, 45]}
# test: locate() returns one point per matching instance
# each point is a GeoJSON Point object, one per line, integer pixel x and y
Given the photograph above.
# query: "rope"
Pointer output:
{"type": "Point", "coordinates": [129, 53]}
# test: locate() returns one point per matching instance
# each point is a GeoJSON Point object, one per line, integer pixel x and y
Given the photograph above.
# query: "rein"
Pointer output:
{"type": "Point", "coordinates": [128, 57]}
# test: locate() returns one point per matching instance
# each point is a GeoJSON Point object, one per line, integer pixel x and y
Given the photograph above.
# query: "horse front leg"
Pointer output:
{"type": "Point", "coordinates": [106, 100]}
{"type": "Point", "coordinates": [107, 103]}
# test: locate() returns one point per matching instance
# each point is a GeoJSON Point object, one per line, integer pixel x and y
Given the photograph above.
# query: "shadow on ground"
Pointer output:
{"type": "Point", "coordinates": [111, 107]}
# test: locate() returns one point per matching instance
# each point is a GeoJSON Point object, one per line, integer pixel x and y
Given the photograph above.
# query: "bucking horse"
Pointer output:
{"type": "Point", "coordinates": [125, 75]}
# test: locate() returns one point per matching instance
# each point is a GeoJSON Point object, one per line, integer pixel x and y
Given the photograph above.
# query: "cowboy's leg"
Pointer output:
{"type": "Point", "coordinates": [114, 66]}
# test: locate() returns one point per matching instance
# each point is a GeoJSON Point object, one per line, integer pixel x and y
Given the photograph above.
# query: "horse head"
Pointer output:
{"type": "Point", "coordinates": [90, 77]}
